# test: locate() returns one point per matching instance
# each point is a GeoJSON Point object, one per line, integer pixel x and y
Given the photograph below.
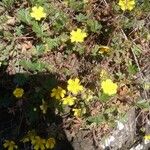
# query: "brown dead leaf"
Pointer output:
{"type": "Point", "coordinates": [26, 45]}
{"type": "Point", "coordinates": [123, 90]}
{"type": "Point", "coordinates": [11, 20]}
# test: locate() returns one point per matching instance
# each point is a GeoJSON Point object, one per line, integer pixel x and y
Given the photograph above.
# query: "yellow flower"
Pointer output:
{"type": "Point", "coordinates": [38, 13]}
{"type": "Point", "coordinates": [74, 86]}
{"type": "Point", "coordinates": [18, 92]}
{"type": "Point", "coordinates": [77, 112]}
{"type": "Point", "coordinates": [69, 100]}
{"type": "Point", "coordinates": [44, 107]}
{"type": "Point", "coordinates": [104, 49]}
{"type": "Point", "coordinates": [109, 87]}
{"type": "Point", "coordinates": [58, 93]}
{"type": "Point", "coordinates": [127, 4]}
{"type": "Point", "coordinates": [10, 145]}
{"type": "Point", "coordinates": [29, 137]}
{"type": "Point", "coordinates": [78, 36]}
{"type": "Point", "coordinates": [38, 143]}
{"type": "Point", "coordinates": [50, 143]}
{"type": "Point", "coordinates": [147, 137]}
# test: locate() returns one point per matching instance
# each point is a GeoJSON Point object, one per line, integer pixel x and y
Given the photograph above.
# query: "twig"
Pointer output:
{"type": "Point", "coordinates": [95, 140]}
{"type": "Point", "coordinates": [136, 61]}
{"type": "Point", "coordinates": [105, 3]}
{"type": "Point", "coordinates": [23, 38]}
{"type": "Point", "coordinates": [21, 119]}
{"type": "Point", "coordinates": [141, 74]}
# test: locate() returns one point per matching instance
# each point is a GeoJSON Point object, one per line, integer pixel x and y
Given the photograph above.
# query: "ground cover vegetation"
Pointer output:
{"type": "Point", "coordinates": [70, 65]}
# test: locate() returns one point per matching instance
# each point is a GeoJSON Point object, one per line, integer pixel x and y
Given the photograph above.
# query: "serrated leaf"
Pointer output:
{"type": "Point", "coordinates": [76, 5]}
{"type": "Point", "coordinates": [94, 25]}
{"type": "Point", "coordinates": [39, 66]}
{"type": "Point", "coordinates": [146, 6]}
{"type": "Point", "coordinates": [37, 28]}
{"type": "Point", "coordinates": [24, 16]}
{"type": "Point", "coordinates": [8, 3]}
{"type": "Point", "coordinates": [50, 83]}
{"type": "Point", "coordinates": [96, 119]}
{"type": "Point", "coordinates": [81, 18]}
{"type": "Point", "coordinates": [38, 2]}
{"type": "Point", "coordinates": [53, 42]}
{"type": "Point", "coordinates": [104, 97]}
{"type": "Point", "coordinates": [40, 49]}
{"type": "Point", "coordinates": [143, 104]}
{"type": "Point", "coordinates": [137, 49]}
{"type": "Point", "coordinates": [110, 110]}
{"type": "Point", "coordinates": [95, 50]}
{"type": "Point", "coordinates": [26, 64]}
{"type": "Point", "coordinates": [60, 21]}
{"type": "Point", "coordinates": [132, 69]}
{"type": "Point", "coordinates": [79, 48]}
{"type": "Point", "coordinates": [33, 66]}
{"type": "Point", "coordinates": [63, 37]}
{"type": "Point", "coordinates": [20, 79]}
{"type": "Point", "coordinates": [18, 30]}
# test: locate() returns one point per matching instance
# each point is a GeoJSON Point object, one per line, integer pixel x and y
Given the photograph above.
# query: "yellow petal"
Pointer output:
{"type": "Point", "coordinates": [5, 145]}
{"type": "Point", "coordinates": [77, 80]}
{"type": "Point", "coordinates": [34, 8]}
{"type": "Point", "coordinates": [40, 9]}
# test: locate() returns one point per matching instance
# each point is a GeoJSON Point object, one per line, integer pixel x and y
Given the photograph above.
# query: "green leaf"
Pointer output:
{"type": "Point", "coordinates": [137, 49]}
{"type": "Point", "coordinates": [33, 66]}
{"type": "Point", "coordinates": [24, 16]}
{"type": "Point", "coordinates": [132, 69]}
{"type": "Point", "coordinates": [94, 25]}
{"type": "Point", "coordinates": [146, 6]}
{"type": "Point", "coordinates": [39, 66]}
{"type": "Point", "coordinates": [50, 82]}
{"type": "Point", "coordinates": [104, 97]}
{"type": "Point", "coordinates": [38, 2]}
{"type": "Point", "coordinates": [96, 119]}
{"type": "Point", "coordinates": [53, 42]}
{"type": "Point", "coordinates": [81, 18]}
{"type": "Point", "coordinates": [143, 104]}
{"type": "Point", "coordinates": [95, 50]}
{"type": "Point", "coordinates": [27, 65]}
{"type": "Point", "coordinates": [63, 37]}
{"type": "Point", "coordinates": [79, 48]}
{"type": "Point", "coordinates": [8, 35]}
{"type": "Point", "coordinates": [18, 30]}
{"type": "Point", "coordinates": [37, 28]}
{"type": "Point", "coordinates": [139, 24]}
{"type": "Point", "coordinates": [20, 79]}
{"type": "Point", "coordinates": [76, 5]}
{"type": "Point", "coordinates": [40, 49]}
{"type": "Point", "coordinates": [60, 21]}
{"type": "Point", "coordinates": [110, 110]}
{"type": "Point", "coordinates": [8, 3]}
